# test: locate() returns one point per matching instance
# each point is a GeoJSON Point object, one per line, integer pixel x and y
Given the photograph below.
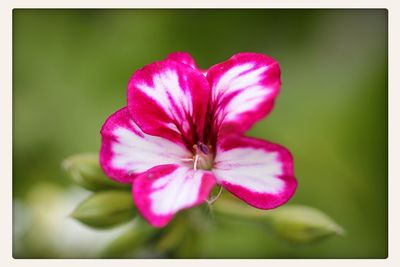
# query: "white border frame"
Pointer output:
{"type": "Point", "coordinates": [6, 123]}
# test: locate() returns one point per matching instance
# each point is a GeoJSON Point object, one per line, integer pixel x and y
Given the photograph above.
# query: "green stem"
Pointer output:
{"type": "Point", "coordinates": [234, 209]}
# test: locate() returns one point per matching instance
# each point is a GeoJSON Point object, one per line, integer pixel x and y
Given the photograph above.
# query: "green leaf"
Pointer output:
{"type": "Point", "coordinates": [85, 170]}
{"type": "Point", "coordinates": [106, 209]}
{"type": "Point", "coordinates": [239, 209]}
{"type": "Point", "coordinates": [303, 224]}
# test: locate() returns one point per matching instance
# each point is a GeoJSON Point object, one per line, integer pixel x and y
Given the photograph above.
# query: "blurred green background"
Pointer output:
{"type": "Point", "coordinates": [70, 71]}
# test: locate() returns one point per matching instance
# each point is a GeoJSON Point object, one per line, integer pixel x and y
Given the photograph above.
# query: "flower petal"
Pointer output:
{"type": "Point", "coordinates": [243, 90]}
{"type": "Point", "coordinates": [183, 57]}
{"type": "Point", "coordinates": [164, 190]}
{"type": "Point", "coordinates": [169, 99]}
{"type": "Point", "coordinates": [126, 151]}
{"type": "Point", "coordinates": [256, 171]}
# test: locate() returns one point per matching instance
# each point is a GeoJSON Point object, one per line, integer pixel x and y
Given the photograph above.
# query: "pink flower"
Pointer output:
{"type": "Point", "coordinates": [182, 133]}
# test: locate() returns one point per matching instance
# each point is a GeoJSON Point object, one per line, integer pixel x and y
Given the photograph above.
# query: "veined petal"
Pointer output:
{"type": "Point", "coordinates": [256, 171]}
{"type": "Point", "coordinates": [183, 57]}
{"type": "Point", "coordinates": [127, 151]}
{"type": "Point", "coordinates": [169, 99]}
{"type": "Point", "coordinates": [164, 190]}
{"type": "Point", "coordinates": [243, 90]}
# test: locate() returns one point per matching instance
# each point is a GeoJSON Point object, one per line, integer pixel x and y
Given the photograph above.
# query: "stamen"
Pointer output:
{"type": "Point", "coordinates": [196, 160]}
{"type": "Point", "coordinates": [211, 200]}
{"type": "Point", "coordinates": [202, 156]}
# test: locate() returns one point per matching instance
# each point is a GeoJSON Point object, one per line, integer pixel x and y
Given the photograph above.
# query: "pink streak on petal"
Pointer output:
{"type": "Point", "coordinates": [126, 151]}
{"type": "Point", "coordinates": [256, 171]}
{"type": "Point", "coordinates": [119, 118]}
{"type": "Point", "coordinates": [164, 190]}
{"type": "Point", "coordinates": [183, 57]}
{"type": "Point", "coordinates": [244, 89]}
{"type": "Point", "coordinates": [169, 99]}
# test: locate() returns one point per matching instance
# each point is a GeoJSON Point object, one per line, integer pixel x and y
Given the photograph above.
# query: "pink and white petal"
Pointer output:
{"type": "Point", "coordinates": [183, 57]}
{"type": "Point", "coordinates": [164, 190]}
{"type": "Point", "coordinates": [169, 99]}
{"type": "Point", "coordinates": [243, 90]}
{"type": "Point", "coordinates": [256, 171]}
{"type": "Point", "coordinates": [186, 58]}
{"type": "Point", "coordinates": [127, 151]}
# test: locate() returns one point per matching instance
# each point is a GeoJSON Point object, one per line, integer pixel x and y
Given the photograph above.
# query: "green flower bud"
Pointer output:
{"type": "Point", "coordinates": [85, 170]}
{"type": "Point", "coordinates": [302, 224]}
{"type": "Point", "coordinates": [295, 223]}
{"type": "Point", "coordinates": [106, 209]}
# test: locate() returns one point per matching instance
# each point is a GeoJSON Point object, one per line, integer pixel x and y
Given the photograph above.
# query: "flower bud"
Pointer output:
{"type": "Point", "coordinates": [302, 224]}
{"type": "Point", "coordinates": [295, 223]}
{"type": "Point", "coordinates": [105, 209]}
{"type": "Point", "coordinates": [85, 170]}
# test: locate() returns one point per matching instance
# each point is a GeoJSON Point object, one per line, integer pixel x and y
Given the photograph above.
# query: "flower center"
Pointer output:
{"type": "Point", "coordinates": [202, 158]}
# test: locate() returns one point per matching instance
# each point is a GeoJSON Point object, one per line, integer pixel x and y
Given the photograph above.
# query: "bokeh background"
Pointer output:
{"type": "Point", "coordinates": [70, 71]}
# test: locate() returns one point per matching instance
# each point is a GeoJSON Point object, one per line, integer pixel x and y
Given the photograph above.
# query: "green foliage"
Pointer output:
{"type": "Point", "coordinates": [295, 223]}
{"type": "Point", "coordinates": [127, 244]}
{"type": "Point", "coordinates": [105, 209]}
{"type": "Point", "coordinates": [303, 224]}
{"type": "Point", "coordinates": [85, 170]}
{"type": "Point", "coordinates": [172, 236]}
